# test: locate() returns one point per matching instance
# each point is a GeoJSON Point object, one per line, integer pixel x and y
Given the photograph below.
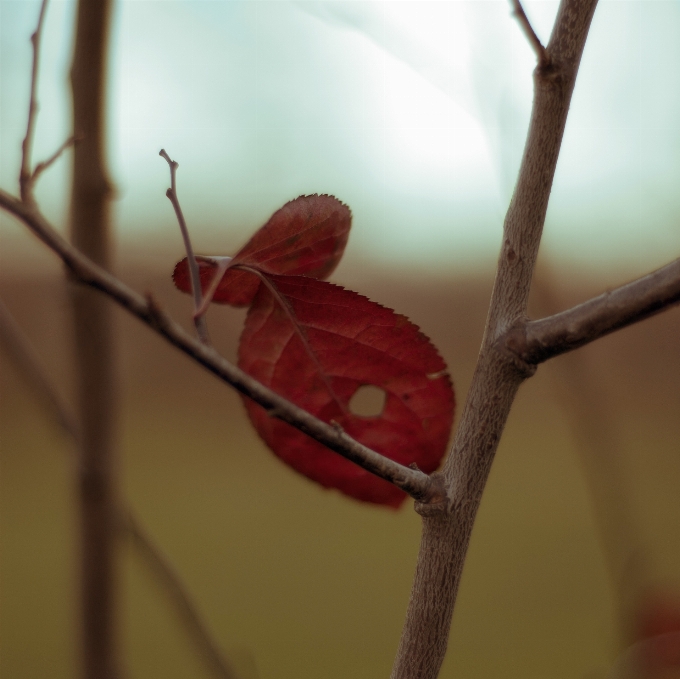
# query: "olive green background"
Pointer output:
{"type": "Point", "coordinates": [296, 581]}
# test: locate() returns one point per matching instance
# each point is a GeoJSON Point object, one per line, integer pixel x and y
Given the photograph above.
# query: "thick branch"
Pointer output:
{"type": "Point", "coordinates": [446, 534]}
{"type": "Point", "coordinates": [537, 341]}
{"type": "Point", "coordinates": [414, 482]}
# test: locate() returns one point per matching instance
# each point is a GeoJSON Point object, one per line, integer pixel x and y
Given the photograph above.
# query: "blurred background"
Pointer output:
{"type": "Point", "coordinates": [414, 114]}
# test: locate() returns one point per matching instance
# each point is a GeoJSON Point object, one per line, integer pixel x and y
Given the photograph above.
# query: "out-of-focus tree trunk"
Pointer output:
{"type": "Point", "coordinates": [93, 338]}
{"type": "Point", "coordinates": [600, 454]}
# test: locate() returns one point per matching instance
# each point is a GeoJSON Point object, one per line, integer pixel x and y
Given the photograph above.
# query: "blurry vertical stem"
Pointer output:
{"type": "Point", "coordinates": [599, 451]}
{"type": "Point", "coordinates": [93, 337]}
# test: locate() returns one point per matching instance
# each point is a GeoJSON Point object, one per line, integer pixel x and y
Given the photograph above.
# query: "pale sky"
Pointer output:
{"type": "Point", "coordinates": [412, 113]}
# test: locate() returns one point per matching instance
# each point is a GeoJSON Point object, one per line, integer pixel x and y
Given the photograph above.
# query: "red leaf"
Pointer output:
{"type": "Point", "coordinates": [315, 344]}
{"type": "Point", "coordinates": [307, 236]}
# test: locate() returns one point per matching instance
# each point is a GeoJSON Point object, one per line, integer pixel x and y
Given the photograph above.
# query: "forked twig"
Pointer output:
{"type": "Point", "coordinates": [194, 274]}
{"type": "Point", "coordinates": [25, 178]}
{"type": "Point", "coordinates": [46, 164]}
{"type": "Point", "coordinates": [418, 485]}
{"type": "Point", "coordinates": [19, 349]}
{"type": "Point", "coordinates": [534, 40]}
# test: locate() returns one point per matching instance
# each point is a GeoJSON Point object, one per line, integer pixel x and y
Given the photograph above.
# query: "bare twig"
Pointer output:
{"type": "Point", "coordinates": [46, 164]}
{"type": "Point", "coordinates": [171, 193]}
{"type": "Point", "coordinates": [534, 41]}
{"type": "Point", "coordinates": [417, 484]}
{"type": "Point", "coordinates": [163, 570]}
{"type": "Point", "coordinates": [20, 351]}
{"type": "Point", "coordinates": [27, 145]}
{"type": "Point", "coordinates": [536, 341]}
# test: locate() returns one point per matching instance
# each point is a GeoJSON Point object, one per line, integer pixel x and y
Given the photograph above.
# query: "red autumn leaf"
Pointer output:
{"type": "Point", "coordinates": [307, 236]}
{"type": "Point", "coordinates": [316, 344]}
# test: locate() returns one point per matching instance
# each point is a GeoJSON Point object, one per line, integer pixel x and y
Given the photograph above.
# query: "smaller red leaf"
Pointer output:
{"type": "Point", "coordinates": [307, 236]}
{"type": "Point", "coordinates": [316, 344]}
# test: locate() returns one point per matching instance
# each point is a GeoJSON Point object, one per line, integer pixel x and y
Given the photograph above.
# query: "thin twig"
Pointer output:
{"type": "Point", "coordinates": [418, 485]}
{"type": "Point", "coordinates": [162, 568]}
{"type": "Point", "coordinates": [534, 41]}
{"type": "Point", "coordinates": [537, 341]}
{"type": "Point", "coordinates": [24, 356]}
{"type": "Point", "coordinates": [27, 145]}
{"type": "Point", "coordinates": [46, 164]}
{"type": "Point", "coordinates": [171, 193]}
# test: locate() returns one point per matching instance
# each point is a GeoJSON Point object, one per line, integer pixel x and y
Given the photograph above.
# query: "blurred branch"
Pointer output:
{"type": "Point", "coordinates": [94, 347]}
{"type": "Point", "coordinates": [25, 358]}
{"type": "Point", "coordinates": [533, 342]}
{"type": "Point", "coordinates": [414, 482]}
{"type": "Point", "coordinates": [599, 450]}
{"type": "Point", "coordinates": [534, 41]}
{"type": "Point", "coordinates": [25, 178]}
{"type": "Point", "coordinates": [46, 164]}
{"type": "Point", "coordinates": [164, 572]}
{"type": "Point", "coordinates": [22, 354]}
{"type": "Point", "coordinates": [199, 318]}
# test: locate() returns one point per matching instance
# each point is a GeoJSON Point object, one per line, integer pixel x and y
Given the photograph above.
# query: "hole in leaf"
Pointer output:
{"type": "Point", "coordinates": [368, 401]}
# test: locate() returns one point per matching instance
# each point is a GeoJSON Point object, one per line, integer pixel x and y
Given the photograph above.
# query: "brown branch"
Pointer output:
{"type": "Point", "coordinates": [534, 41]}
{"type": "Point", "coordinates": [24, 356]}
{"type": "Point", "coordinates": [446, 533]}
{"type": "Point", "coordinates": [171, 193]}
{"type": "Point", "coordinates": [414, 482]}
{"type": "Point", "coordinates": [93, 345]}
{"type": "Point", "coordinates": [46, 164]}
{"type": "Point", "coordinates": [164, 572]}
{"type": "Point", "coordinates": [25, 182]}
{"type": "Point", "coordinates": [536, 341]}
{"type": "Point", "coordinates": [20, 351]}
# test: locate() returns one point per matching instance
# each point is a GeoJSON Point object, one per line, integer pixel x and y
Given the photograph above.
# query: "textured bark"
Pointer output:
{"type": "Point", "coordinates": [447, 527]}
{"type": "Point", "coordinates": [538, 341]}
{"type": "Point", "coordinates": [93, 338]}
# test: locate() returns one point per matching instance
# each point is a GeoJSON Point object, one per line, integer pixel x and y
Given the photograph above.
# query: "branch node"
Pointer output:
{"type": "Point", "coordinates": [157, 316]}
{"type": "Point", "coordinates": [435, 500]}
{"type": "Point", "coordinates": [337, 426]}
{"type": "Point", "coordinates": [512, 345]}
{"type": "Point", "coordinates": [46, 164]}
